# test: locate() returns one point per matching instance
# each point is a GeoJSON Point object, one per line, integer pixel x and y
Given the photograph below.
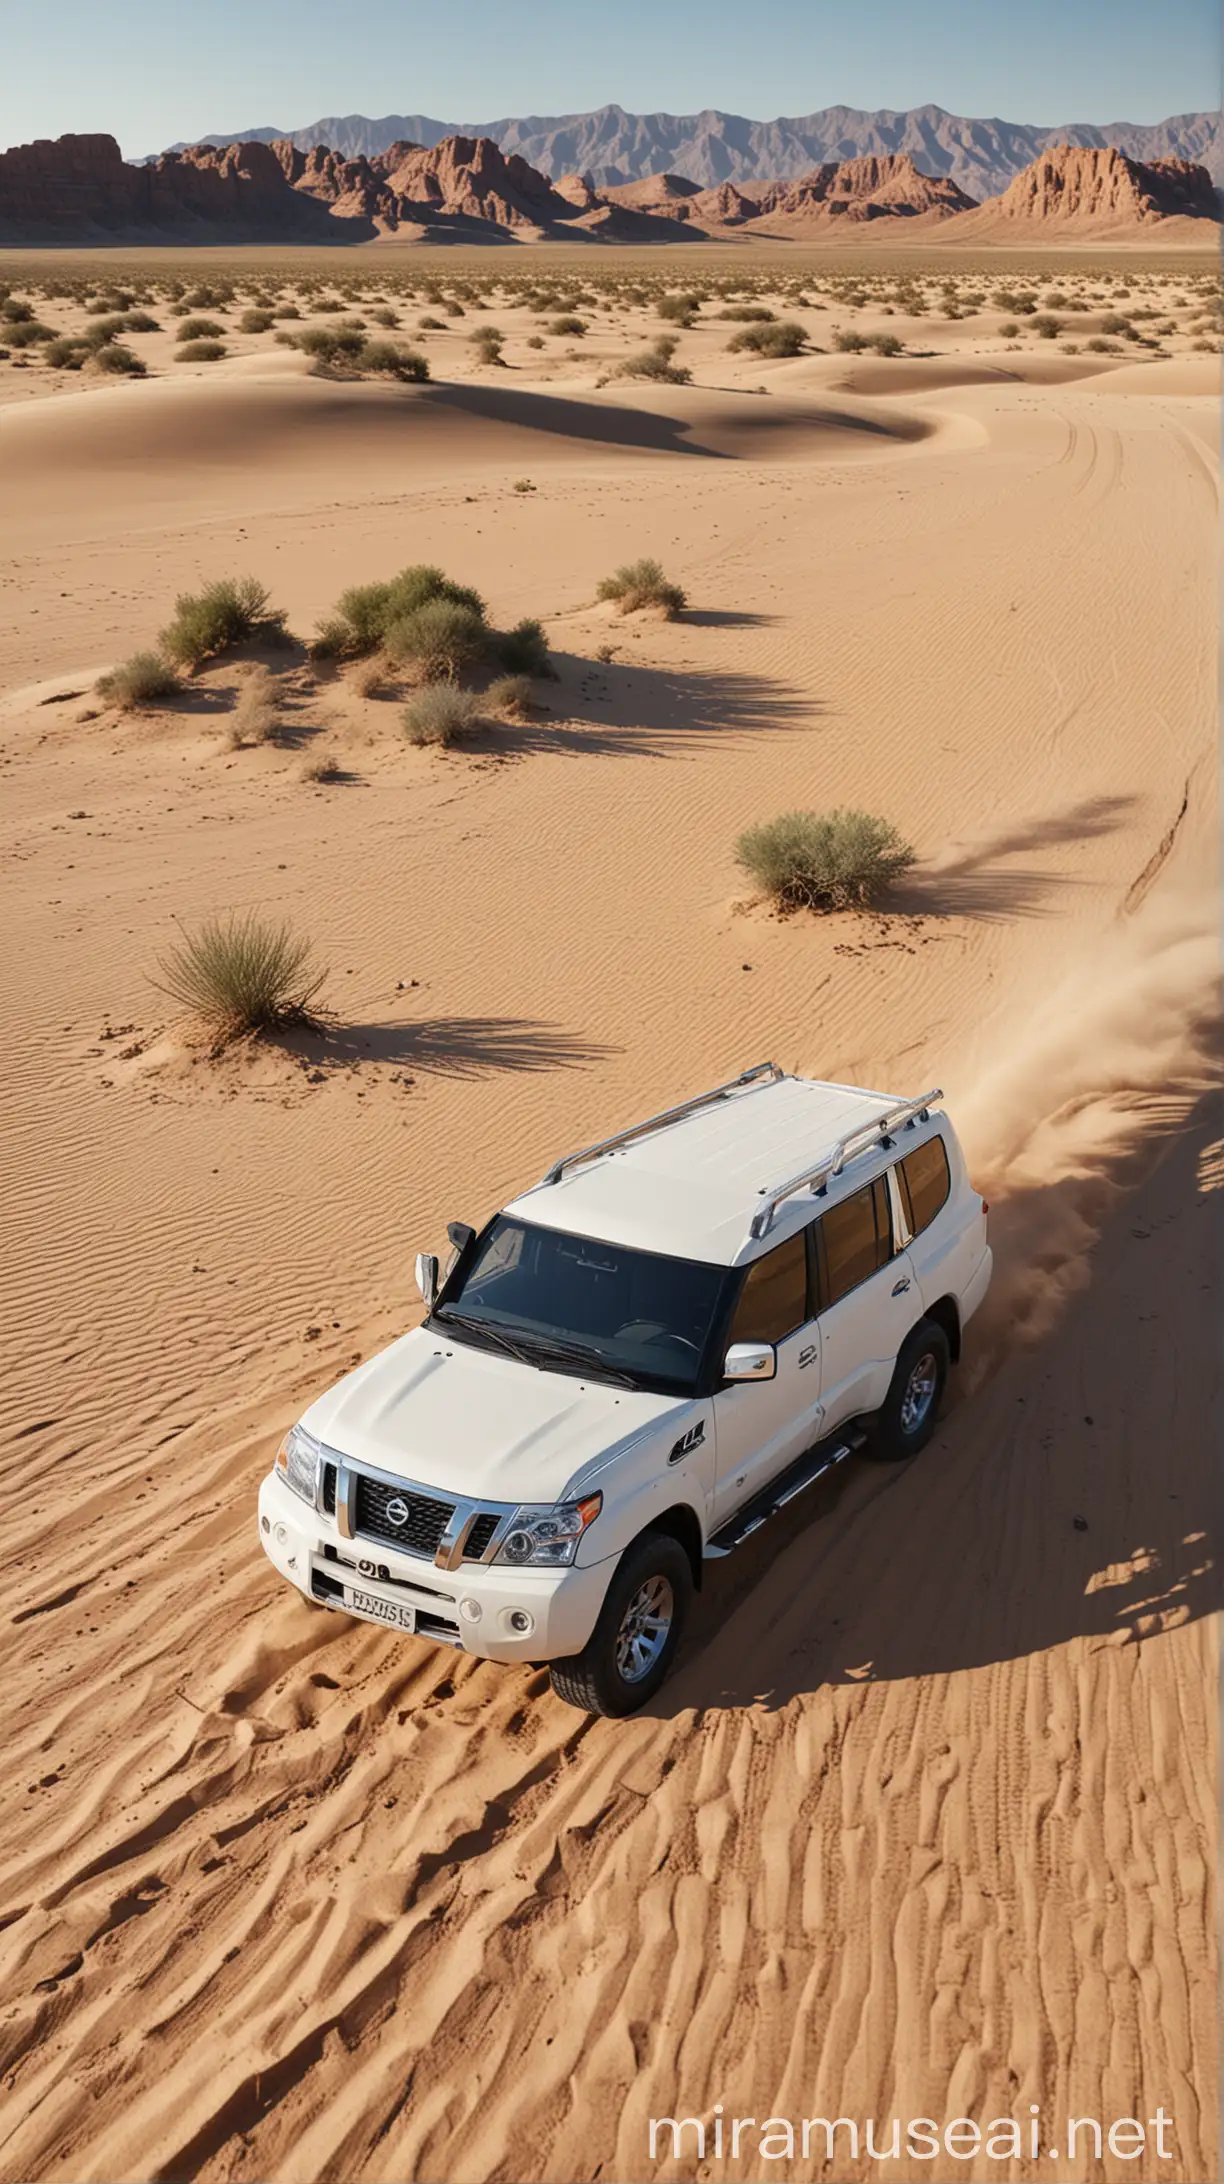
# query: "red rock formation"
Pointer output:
{"type": "Point", "coordinates": [878, 187]}
{"type": "Point", "coordinates": [1103, 188]}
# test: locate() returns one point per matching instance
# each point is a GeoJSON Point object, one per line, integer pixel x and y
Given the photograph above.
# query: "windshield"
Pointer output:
{"type": "Point", "coordinates": [586, 1306]}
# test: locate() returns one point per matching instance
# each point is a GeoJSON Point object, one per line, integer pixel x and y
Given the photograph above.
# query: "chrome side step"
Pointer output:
{"type": "Point", "coordinates": [784, 1489]}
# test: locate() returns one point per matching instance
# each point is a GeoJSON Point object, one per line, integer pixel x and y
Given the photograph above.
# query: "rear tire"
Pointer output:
{"type": "Point", "coordinates": [634, 1643]}
{"type": "Point", "coordinates": [910, 1411]}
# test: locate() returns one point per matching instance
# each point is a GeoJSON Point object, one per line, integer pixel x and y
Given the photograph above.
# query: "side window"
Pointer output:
{"type": "Point", "coordinates": [856, 1239]}
{"type": "Point", "coordinates": [773, 1300]}
{"type": "Point", "coordinates": [925, 1183]}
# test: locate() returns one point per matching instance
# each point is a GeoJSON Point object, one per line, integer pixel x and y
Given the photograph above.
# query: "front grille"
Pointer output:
{"type": "Point", "coordinates": [420, 1530]}
{"type": "Point", "coordinates": [329, 1489]}
{"type": "Point", "coordinates": [483, 1528]}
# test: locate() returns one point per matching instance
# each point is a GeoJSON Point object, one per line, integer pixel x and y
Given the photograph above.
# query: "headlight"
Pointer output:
{"type": "Point", "coordinates": [297, 1463]}
{"type": "Point", "coordinates": [548, 1535]}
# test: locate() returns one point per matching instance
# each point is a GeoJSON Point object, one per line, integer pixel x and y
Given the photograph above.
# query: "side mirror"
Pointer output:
{"type": "Point", "coordinates": [427, 1277]}
{"type": "Point", "coordinates": [750, 1361]}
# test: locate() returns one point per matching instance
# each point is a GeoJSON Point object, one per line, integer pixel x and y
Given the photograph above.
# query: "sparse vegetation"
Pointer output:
{"type": "Point", "coordinates": [199, 352]}
{"type": "Point", "coordinates": [439, 639]}
{"type": "Point", "coordinates": [241, 976]}
{"type": "Point", "coordinates": [119, 362]}
{"type": "Point", "coordinates": [656, 363]}
{"type": "Point", "coordinates": [523, 650]}
{"type": "Point", "coordinates": [226, 613]}
{"type": "Point", "coordinates": [751, 314]}
{"type": "Point", "coordinates": [256, 322]}
{"type": "Point", "coordinates": [567, 324]}
{"type": "Point", "coordinates": [323, 768]}
{"type": "Point", "coordinates": [487, 343]}
{"type": "Point", "coordinates": [1045, 324]}
{"type": "Point", "coordinates": [140, 680]}
{"type": "Point", "coordinates": [839, 860]}
{"type": "Point", "coordinates": [391, 360]}
{"type": "Point", "coordinates": [510, 696]}
{"type": "Point", "coordinates": [441, 714]}
{"type": "Point", "coordinates": [256, 716]}
{"type": "Point", "coordinates": [680, 310]}
{"type": "Point", "coordinates": [782, 337]}
{"type": "Point", "coordinates": [639, 584]}
{"type": "Point", "coordinates": [364, 614]}
{"type": "Point", "coordinates": [200, 329]}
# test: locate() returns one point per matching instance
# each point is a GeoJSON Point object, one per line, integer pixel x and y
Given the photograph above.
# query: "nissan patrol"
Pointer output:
{"type": "Point", "coordinates": [629, 1369]}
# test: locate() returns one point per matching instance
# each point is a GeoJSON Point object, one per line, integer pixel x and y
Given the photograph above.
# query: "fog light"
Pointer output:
{"type": "Point", "coordinates": [280, 1535]}
{"type": "Point", "coordinates": [520, 1622]}
{"type": "Point", "coordinates": [264, 1525]}
{"type": "Point", "coordinates": [470, 1610]}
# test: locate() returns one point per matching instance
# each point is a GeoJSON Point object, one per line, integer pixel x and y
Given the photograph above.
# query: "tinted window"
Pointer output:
{"type": "Point", "coordinates": [925, 1183]}
{"type": "Point", "coordinates": [856, 1238]}
{"type": "Point", "coordinates": [773, 1300]}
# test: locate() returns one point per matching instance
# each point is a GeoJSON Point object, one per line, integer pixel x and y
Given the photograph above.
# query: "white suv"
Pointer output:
{"type": "Point", "coordinates": [629, 1369]}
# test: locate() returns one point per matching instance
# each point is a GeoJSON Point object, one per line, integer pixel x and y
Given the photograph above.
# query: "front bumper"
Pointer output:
{"type": "Point", "coordinates": [563, 1605]}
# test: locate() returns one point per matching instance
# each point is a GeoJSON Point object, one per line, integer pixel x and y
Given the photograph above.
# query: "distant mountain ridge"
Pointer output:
{"type": "Point", "coordinates": [614, 147]}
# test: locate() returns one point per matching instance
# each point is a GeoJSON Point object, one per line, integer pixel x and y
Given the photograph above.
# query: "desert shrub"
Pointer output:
{"type": "Point", "coordinates": [1009, 329]}
{"type": "Point", "coordinates": [510, 694]}
{"type": "Point", "coordinates": [140, 322]}
{"type": "Point", "coordinates": [680, 310]}
{"type": "Point", "coordinates": [14, 311]}
{"type": "Point", "coordinates": [454, 309]}
{"type": "Point", "coordinates": [331, 344]}
{"type": "Point", "coordinates": [440, 715]}
{"type": "Point", "coordinates": [487, 343]}
{"type": "Point", "coordinates": [369, 675]}
{"type": "Point", "coordinates": [785, 337]}
{"type": "Point", "coordinates": [1014, 299]}
{"type": "Point", "coordinates": [322, 769]}
{"type": "Point", "coordinates": [67, 352]}
{"type": "Point", "coordinates": [1203, 343]}
{"type": "Point", "coordinates": [886, 345]}
{"type": "Point", "coordinates": [225, 613]}
{"type": "Point", "coordinates": [1055, 301]}
{"type": "Point", "coordinates": [384, 316]}
{"type": "Point", "coordinates": [535, 341]}
{"type": "Point", "coordinates": [256, 716]}
{"type": "Point", "coordinates": [365, 612]}
{"type": "Point", "coordinates": [438, 639]}
{"type": "Point", "coordinates": [638, 584]}
{"type": "Point", "coordinates": [256, 322]}
{"type": "Point", "coordinates": [389, 360]}
{"type": "Point", "coordinates": [839, 860]}
{"type": "Point", "coordinates": [1114, 323]}
{"type": "Point", "coordinates": [1101, 345]}
{"type": "Point", "coordinates": [751, 314]}
{"type": "Point", "coordinates": [1045, 324]}
{"type": "Point", "coordinates": [24, 333]}
{"type": "Point", "coordinates": [242, 975]}
{"type": "Point", "coordinates": [329, 303]}
{"type": "Point", "coordinates": [200, 329]}
{"type": "Point", "coordinates": [848, 341]}
{"type": "Point", "coordinates": [567, 324]}
{"type": "Point", "coordinates": [523, 650]}
{"type": "Point", "coordinates": [142, 680]}
{"type": "Point", "coordinates": [118, 361]}
{"type": "Point", "coordinates": [523, 485]}
{"type": "Point", "coordinates": [432, 325]}
{"type": "Point", "coordinates": [200, 352]}
{"type": "Point", "coordinates": [287, 311]}
{"type": "Point", "coordinates": [656, 363]}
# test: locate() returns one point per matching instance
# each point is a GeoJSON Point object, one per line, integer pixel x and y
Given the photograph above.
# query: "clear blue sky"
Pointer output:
{"type": "Point", "coordinates": [153, 71]}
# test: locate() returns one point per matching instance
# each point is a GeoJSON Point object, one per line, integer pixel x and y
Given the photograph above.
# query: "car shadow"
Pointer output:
{"type": "Point", "coordinates": [1071, 1492]}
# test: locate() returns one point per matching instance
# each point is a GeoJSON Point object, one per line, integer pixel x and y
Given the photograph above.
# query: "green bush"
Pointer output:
{"type": "Point", "coordinates": [68, 352]}
{"type": "Point", "coordinates": [523, 650]}
{"type": "Point", "coordinates": [224, 614]}
{"type": "Point", "coordinates": [440, 715]}
{"type": "Point", "coordinates": [200, 329]}
{"type": "Point", "coordinates": [388, 360]}
{"type": "Point", "coordinates": [365, 612]}
{"type": "Point", "coordinates": [839, 860]}
{"type": "Point", "coordinates": [23, 333]}
{"type": "Point", "coordinates": [510, 694]}
{"type": "Point", "coordinates": [331, 344]}
{"type": "Point", "coordinates": [200, 352]}
{"type": "Point", "coordinates": [438, 639]}
{"type": "Point", "coordinates": [785, 337]}
{"type": "Point", "coordinates": [118, 361]}
{"type": "Point", "coordinates": [142, 680]}
{"type": "Point", "coordinates": [640, 584]}
{"type": "Point", "coordinates": [656, 363]}
{"type": "Point", "coordinates": [240, 976]}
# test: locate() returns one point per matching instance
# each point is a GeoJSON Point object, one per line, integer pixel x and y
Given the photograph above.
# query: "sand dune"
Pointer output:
{"type": "Point", "coordinates": [925, 1822]}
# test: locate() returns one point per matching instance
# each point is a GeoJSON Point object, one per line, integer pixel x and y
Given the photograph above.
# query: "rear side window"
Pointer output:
{"type": "Point", "coordinates": [855, 1240]}
{"type": "Point", "coordinates": [925, 1182]}
{"type": "Point", "coordinates": [773, 1300]}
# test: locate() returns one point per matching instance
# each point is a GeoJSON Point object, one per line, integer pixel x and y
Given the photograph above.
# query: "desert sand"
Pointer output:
{"type": "Point", "coordinates": [924, 1824]}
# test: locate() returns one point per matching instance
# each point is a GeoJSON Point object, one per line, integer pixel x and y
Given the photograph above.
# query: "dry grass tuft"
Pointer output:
{"type": "Point", "coordinates": [638, 584]}
{"type": "Point", "coordinates": [241, 976]}
{"type": "Point", "coordinates": [838, 860]}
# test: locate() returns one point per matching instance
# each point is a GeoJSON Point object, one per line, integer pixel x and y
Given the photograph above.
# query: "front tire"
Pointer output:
{"type": "Point", "coordinates": [910, 1410]}
{"type": "Point", "coordinates": [634, 1642]}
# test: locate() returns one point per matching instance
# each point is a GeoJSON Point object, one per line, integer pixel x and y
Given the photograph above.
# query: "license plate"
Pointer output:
{"type": "Point", "coordinates": [375, 1610]}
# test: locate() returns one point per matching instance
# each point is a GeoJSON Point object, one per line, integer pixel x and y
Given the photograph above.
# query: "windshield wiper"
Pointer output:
{"type": "Point", "coordinates": [581, 1353]}
{"type": "Point", "coordinates": [484, 1333]}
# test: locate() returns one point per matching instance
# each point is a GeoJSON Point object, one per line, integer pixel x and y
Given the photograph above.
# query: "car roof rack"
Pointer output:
{"type": "Point", "coordinates": [762, 1073]}
{"type": "Point", "coordinates": [861, 1140]}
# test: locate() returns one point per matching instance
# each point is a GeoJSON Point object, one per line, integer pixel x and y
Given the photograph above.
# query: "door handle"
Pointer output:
{"type": "Point", "coordinates": [899, 1288]}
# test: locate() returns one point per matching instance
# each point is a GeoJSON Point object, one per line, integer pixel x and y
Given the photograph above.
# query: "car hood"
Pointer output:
{"type": "Point", "coordinates": [473, 1422]}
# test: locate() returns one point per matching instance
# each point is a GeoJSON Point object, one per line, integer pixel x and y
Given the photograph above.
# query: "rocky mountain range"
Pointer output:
{"type": "Point", "coordinates": [614, 147]}
{"type": "Point", "coordinates": [80, 189]}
